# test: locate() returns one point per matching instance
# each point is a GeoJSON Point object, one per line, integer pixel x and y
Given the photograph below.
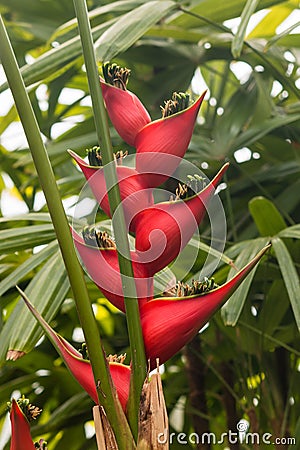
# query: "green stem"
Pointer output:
{"type": "Point", "coordinates": [230, 210]}
{"type": "Point", "coordinates": [119, 226]}
{"type": "Point", "coordinates": [106, 393]}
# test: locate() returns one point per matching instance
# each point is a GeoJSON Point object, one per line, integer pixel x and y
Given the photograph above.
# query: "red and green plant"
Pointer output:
{"type": "Point", "coordinates": [159, 326]}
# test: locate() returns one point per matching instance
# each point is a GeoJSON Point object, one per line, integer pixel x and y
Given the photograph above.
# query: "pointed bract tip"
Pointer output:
{"type": "Point", "coordinates": [264, 250]}
{"type": "Point", "coordinates": [80, 161]}
{"type": "Point", "coordinates": [71, 153]}
{"type": "Point", "coordinates": [25, 298]}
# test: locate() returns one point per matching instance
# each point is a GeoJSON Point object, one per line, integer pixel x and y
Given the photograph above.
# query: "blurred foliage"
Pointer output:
{"type": "Point", "coordinates": [247, 360]}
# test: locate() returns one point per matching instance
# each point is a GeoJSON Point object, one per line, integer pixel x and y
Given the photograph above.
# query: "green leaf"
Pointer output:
{"type": "Point", "coordinates": [96, 15]}
{"type": "Point", "coordinates": [235, 119]}
{"type": "Point", "coordinates": [179, 34]}
{"type": "Point", "coordinates": [274, 308]}
{"type": "Point", "coordinates": [267, 218]}
{"type": "Point", "coordinates": [231, 311]}
{"type": "Point", "coordinates": [31, 263]}
{"type": "Point", "coordinates": [290, 41]}
{"type": "Point", "coordinates": [279, 36]}
{"type": "Point", "coordinates": [238, 40]}
{"type": "Point", "coordinates": [59, 148]}
{"type": "Point", "coordinates": [256, 132]}
{"type": "Point", "coordinates": [266, 27]}
{"type": "Point", "coordinates": [277, 341]}
{"type": "Point", "coordinates": [36, 217]}
{"type": "Point", "coordinates": [47, 290]}
{"type": "Point", "coordinates": [290, 232]}
{"type": "Point", "coordinates": [70, 408]}
{"type": "Point", "coordinates": [130, 27]}
{"type": "Point", "coordinates": [162, 279]}
{"type": "Point", "coordinates": [210, 251]}
{"type": "Point", "coordinates": [56, 59]}
{"type": "Point", "coordinates": [217, 11]}
{"type": "Point", "coordinates": [16, 239]}
{"type": "Point", "coordinates": [17, 383]}
{"type": "Point", "coordinates": [289, 274]}
{"type": "Point", "coordinates": [296, 436]}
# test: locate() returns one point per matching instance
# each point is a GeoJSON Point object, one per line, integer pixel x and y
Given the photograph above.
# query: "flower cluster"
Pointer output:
{"type": "Point", "coordinates": [161, 231]}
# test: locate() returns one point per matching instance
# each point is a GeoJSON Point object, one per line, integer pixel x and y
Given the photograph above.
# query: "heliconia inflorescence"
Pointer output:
{"type": "Point", "coordinates": [161, 230]}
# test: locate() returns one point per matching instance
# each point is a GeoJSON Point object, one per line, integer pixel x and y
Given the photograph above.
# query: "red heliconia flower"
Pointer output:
{"type": "Point", "coordinates": [163, 230]}
{"type": "Point", "coordinates": [125, 110]}
{"type": "Point", "coordinates": [103, 267]}
{"type": "Point", "coordinates": [81, 368]}
{"type": "Point", "coordinates": [154, 140]}
{"type": "Point", "coordinates": [170, 323]}
{"type": "Point", "coordinates": [131, 184]}
{"type": "Point", "coordinates": [20, 429]}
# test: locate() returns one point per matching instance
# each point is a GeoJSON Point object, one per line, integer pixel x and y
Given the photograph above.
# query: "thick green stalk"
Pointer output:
{"type": "Point", "coordinates": [120, 232]}
{"type": "Point", "coordinates": [61, 226]}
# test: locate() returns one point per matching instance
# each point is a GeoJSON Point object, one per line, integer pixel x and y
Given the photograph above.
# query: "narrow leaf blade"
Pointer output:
{"type": "Point", "coordinates": [31, 263]}
{"type": "Point", "coordinates": [47, 291]}
{"type": "Point", "coordinates": [289, 274]}
{"type": "Point", "coordinates": [267, 218]}
{"type": "Point", "coordinates": [238, 40]}
{"type": "Point", "coordinates": [291, 232]}
{"type": "Point", "coordinates": [15, 239]}
{"type": "Point", "coordinates": [231, 311]}
{"type": "Point", "coordinates": [130, 27]}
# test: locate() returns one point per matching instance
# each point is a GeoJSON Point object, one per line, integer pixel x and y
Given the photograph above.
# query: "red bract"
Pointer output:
{"type": "Point", "coordinates": [154, 140]}
{"type": "Point", "coordinates": [164, 229]}
{"type": "Point", "coordinates": [170, 323]}
{"type": "Point", "coordinates": [20, 429]}
{"type": "Point", "coordinates": [103, 267]}
{"type": "Point", "coordinates": [131, 184]}
{"type": "Point", "coordinates": [126, 111]}
{"type": "Point", "coordinates": [162, 138]}
{"type": "Point", "coordinates": [80, 368]}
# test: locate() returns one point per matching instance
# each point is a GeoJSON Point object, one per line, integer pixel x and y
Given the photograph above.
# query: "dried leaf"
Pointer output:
{"type": "Point", "coordinates": [153, 419]}
{"type": "Point", "coordinates": [104, 434]}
